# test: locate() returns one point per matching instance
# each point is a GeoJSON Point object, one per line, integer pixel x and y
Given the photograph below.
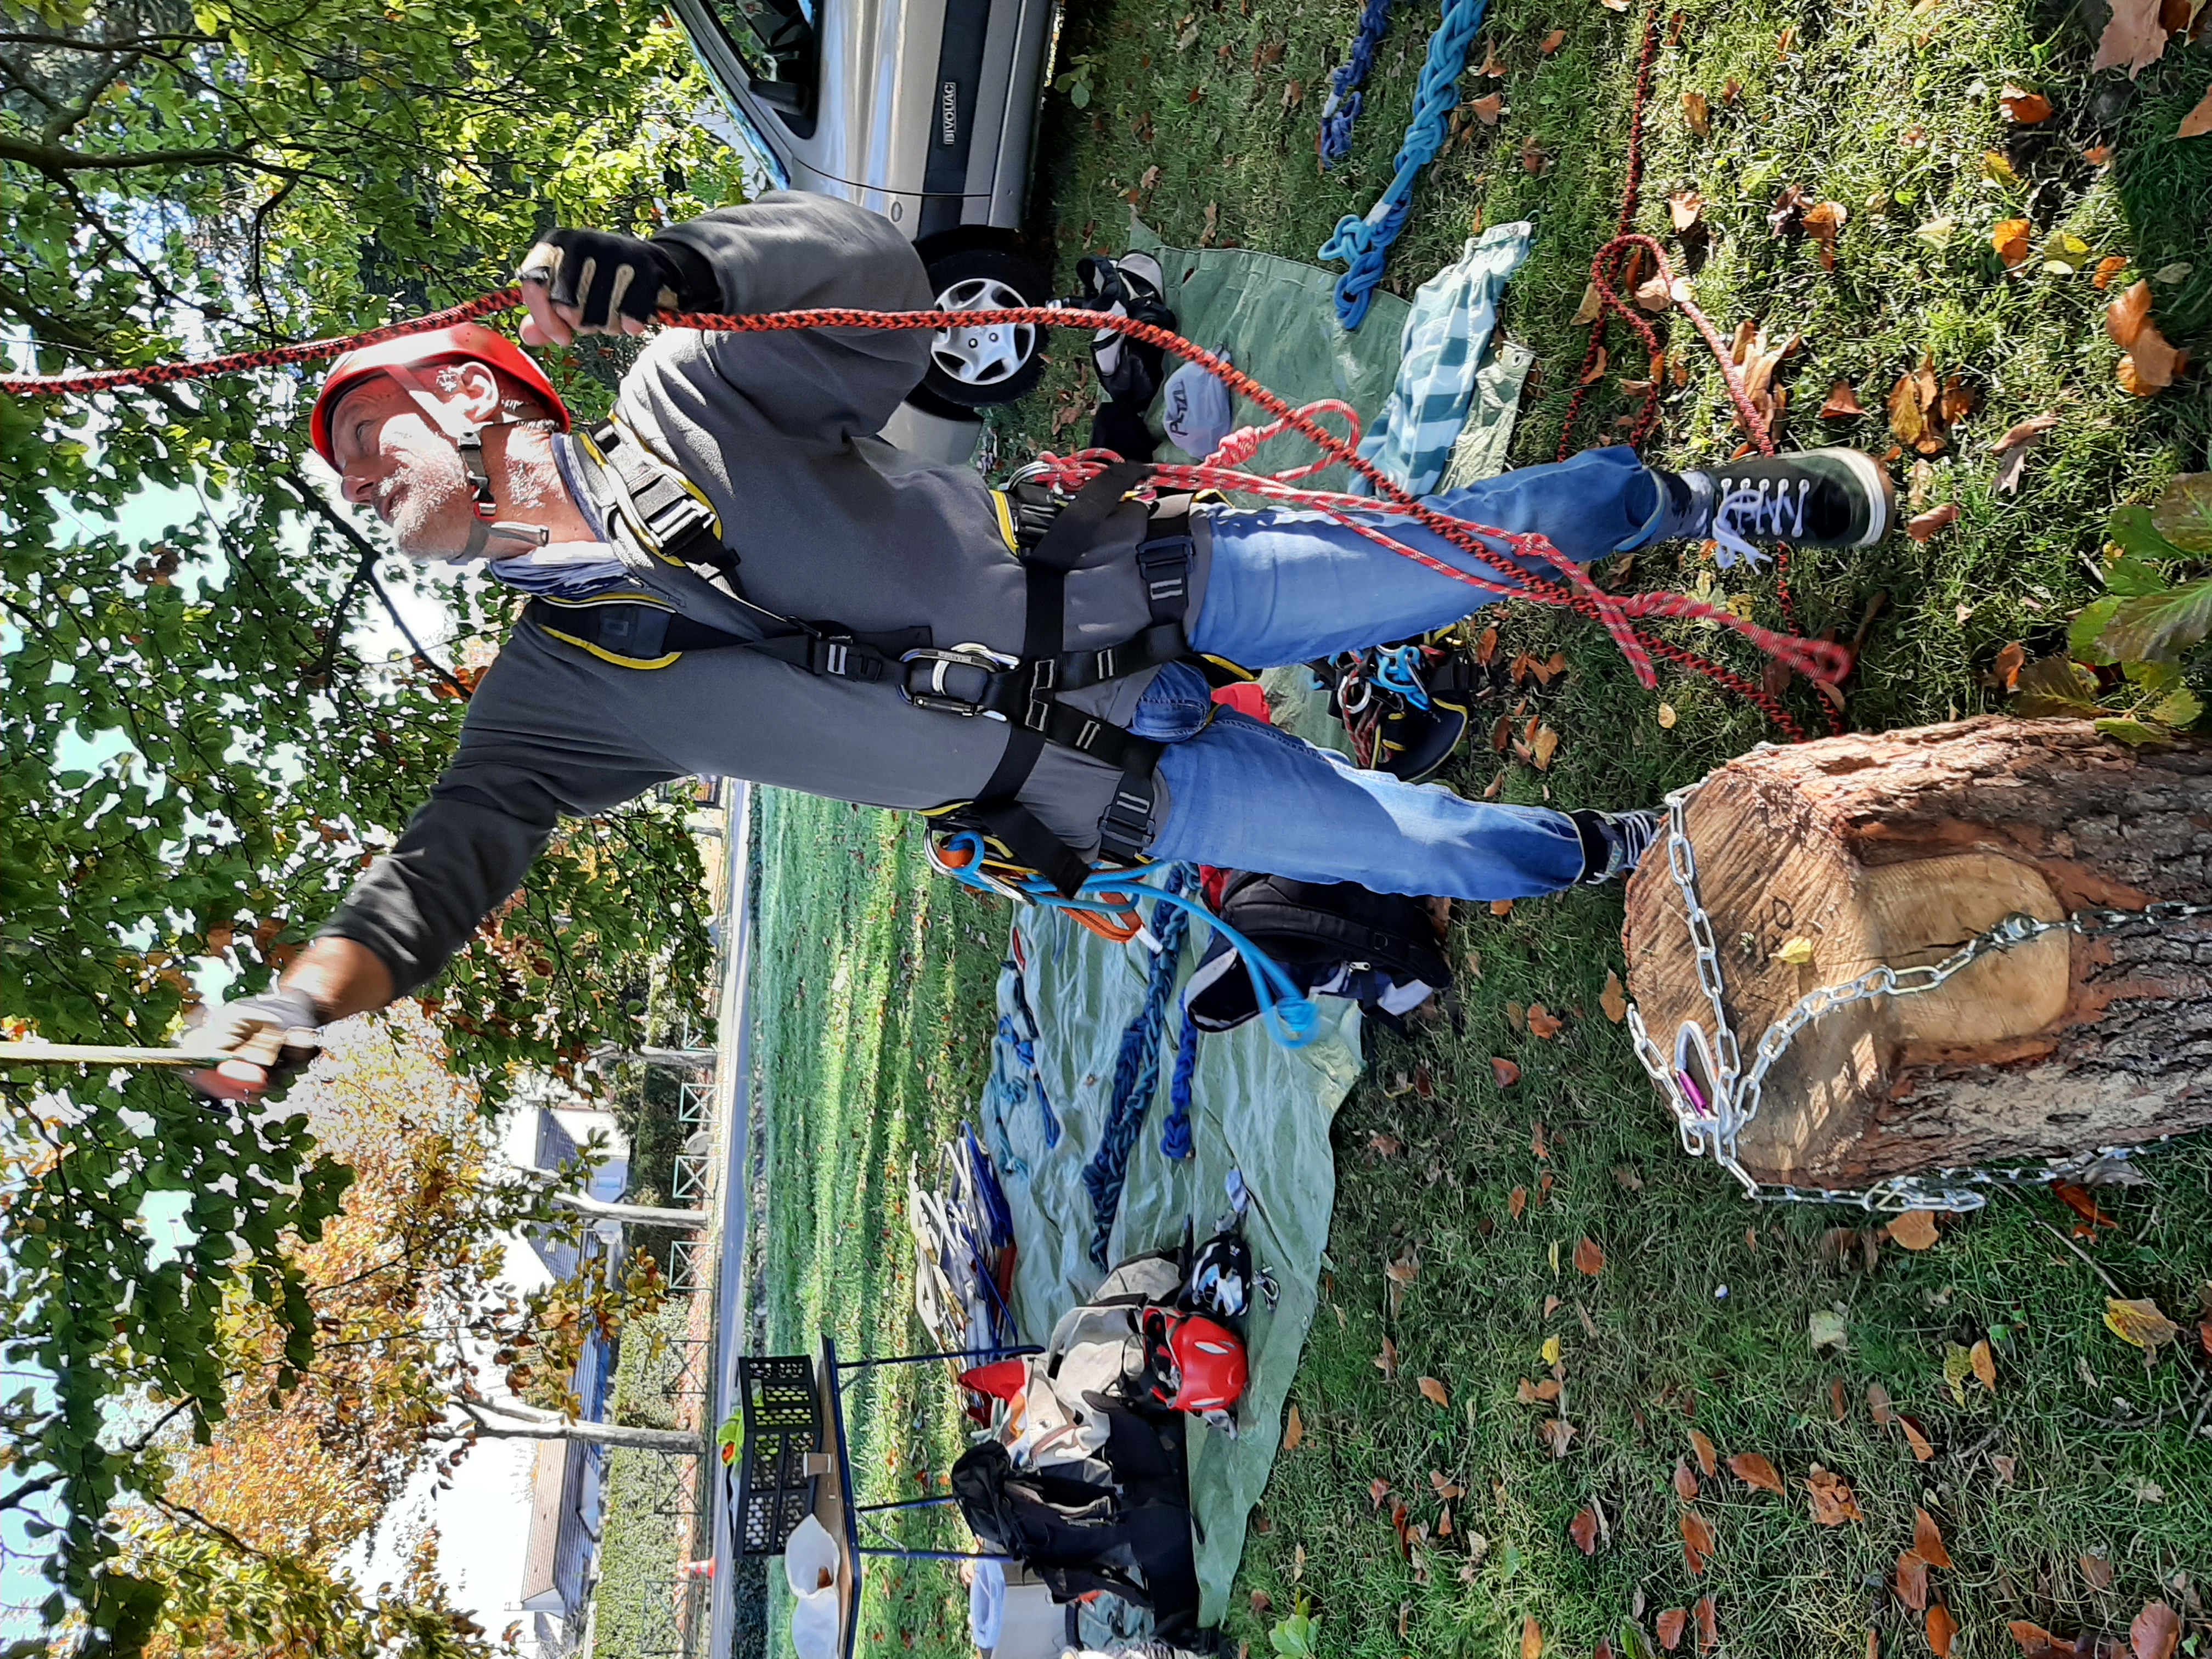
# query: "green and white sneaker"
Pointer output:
{"type": "Point", "coordinates": [1814, 498]}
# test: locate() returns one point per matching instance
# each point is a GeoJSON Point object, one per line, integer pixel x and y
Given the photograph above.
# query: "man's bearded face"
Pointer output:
{"type": "Point", "coordinates": [391, 457]}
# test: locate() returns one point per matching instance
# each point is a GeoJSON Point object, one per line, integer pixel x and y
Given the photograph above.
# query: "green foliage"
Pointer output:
{"type": "Point", "coordinates": [180, 179]}
{"type": "Point", "coordinates": [1294, 1637]}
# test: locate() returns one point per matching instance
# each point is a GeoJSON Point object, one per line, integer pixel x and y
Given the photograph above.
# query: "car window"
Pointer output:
{"type": "Point", "coordinates": [775, 38]}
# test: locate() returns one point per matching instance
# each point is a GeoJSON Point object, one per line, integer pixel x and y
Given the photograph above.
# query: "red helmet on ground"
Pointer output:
{"type": "Point", "coordinates": [1210, 1364]}
{"type": "Point", "coordinates": [462, 343]}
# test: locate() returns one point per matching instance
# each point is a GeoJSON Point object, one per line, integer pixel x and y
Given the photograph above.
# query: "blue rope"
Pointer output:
{"type": "Point", "coordinates": [1174, 1133]}
{"type": "Point", "coordinates": [1136, 1073]}
{"type": "Point", "coordinates": [1342, 108]}
{"type": "Point", "coordinates": [1025, 1038]}
{"type": "Point", "coordinates": [1290, 1017]}
{"type": "Point", "coordinates": [1364, 244]}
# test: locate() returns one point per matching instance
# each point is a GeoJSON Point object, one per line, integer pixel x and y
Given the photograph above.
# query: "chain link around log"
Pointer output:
{"type": "Point", "coordinates": [1713, 1127]}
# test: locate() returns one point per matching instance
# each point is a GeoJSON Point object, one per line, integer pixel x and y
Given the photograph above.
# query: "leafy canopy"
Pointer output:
{"type": "Point", "coordinates": [196, 759]}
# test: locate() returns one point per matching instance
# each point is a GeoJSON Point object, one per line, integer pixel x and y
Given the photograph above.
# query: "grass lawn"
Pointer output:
{"type": "Point", "coordinates": [1700, 1317]}
{"type": "Point", "coordinates": [872, 1005]}
{"type": "Point", "coordinates": [2074, 1490]}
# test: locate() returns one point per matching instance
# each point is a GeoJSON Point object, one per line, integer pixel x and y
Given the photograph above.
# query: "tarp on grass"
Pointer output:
{"type": "Point", "coordinates": [1257, 1108]}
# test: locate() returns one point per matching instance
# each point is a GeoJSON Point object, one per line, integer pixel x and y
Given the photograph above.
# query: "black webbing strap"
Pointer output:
{"type": "Point", "coordinates": [649, 498]}
{"type": "Point", "coordinates": [646, 633]}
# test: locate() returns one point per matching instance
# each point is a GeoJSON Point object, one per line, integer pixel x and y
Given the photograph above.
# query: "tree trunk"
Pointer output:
{"type": "Point", "coordinates": [1896, 848]}
{"type": "Point", "coordinates": [507, 1421]}
{"type": "Point", "coordinates": [635, 1215]}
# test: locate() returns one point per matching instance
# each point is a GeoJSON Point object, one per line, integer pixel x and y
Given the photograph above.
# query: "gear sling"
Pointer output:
{"type": "Point", "coordinates": [654, 511]}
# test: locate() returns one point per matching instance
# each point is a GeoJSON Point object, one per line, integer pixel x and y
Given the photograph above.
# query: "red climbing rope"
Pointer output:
{"type": "Point", "coordinates": [1511, 559]}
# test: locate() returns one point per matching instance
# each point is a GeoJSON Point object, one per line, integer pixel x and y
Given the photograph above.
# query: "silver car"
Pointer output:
{"type": "Point", "coordinates": [925, 110]}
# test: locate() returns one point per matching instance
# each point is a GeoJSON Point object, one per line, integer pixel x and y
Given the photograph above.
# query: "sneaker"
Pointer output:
{"type": "Point", "coordinates": [1615, 843]}
{"type": "Point", "coordinates": [1813, 498]}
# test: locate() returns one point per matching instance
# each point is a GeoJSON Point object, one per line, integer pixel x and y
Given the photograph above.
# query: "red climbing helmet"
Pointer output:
{"type": "Point", "coordinates": [1209, 1370]}
{"type": "Point", "coordinates": [462, 343]}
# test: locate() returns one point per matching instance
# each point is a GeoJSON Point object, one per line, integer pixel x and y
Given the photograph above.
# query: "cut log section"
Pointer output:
{"type": "Point", "coordinates": [1897, 848]}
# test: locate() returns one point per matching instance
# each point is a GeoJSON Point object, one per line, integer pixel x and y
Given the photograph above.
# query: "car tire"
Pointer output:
{"type": "Point", "coordinates": [987, 366]}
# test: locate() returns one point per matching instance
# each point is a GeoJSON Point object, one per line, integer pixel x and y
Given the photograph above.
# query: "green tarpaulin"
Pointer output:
{"type": "Point", "coordinates": [1256, 1107]}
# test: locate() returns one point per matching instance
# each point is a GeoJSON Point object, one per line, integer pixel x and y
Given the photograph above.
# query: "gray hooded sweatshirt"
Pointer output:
{"type": "Point", "coordinates": [829, 523]}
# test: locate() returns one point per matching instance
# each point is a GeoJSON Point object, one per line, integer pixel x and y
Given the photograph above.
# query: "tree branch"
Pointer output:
{"type": "Point", "coordinates": [53, 159]}
{"type": "Point", "coordinates": [63, 122]}
{"type": "Point", "coordinates": [528, 1422]}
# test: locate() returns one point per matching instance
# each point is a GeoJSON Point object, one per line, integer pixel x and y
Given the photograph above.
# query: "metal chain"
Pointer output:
{"type": "Point", "coordinates": [1714, 1128]}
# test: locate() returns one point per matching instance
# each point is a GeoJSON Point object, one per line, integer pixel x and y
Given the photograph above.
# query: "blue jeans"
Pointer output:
{"type": "Point", "coordinates": [1288, 587]}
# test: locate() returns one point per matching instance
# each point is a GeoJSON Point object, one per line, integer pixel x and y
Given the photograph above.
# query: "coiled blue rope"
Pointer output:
{"type": "Point", "coordinates": [1174, 1132]}
{"type": "Point", "coordinates": [1364, 243]}
{"type": "Point", "coordinates": [1136, 1073]}
{"type": "Point", "coordinates": [1342, 107]}
{"type": "Point", "coordinates": [1025, 1037]}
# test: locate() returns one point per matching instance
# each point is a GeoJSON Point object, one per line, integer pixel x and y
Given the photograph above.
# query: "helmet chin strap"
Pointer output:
{"type": "Point", "coordinates": [468, 439]}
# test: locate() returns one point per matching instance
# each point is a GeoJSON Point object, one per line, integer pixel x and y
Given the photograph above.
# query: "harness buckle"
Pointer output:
{"type": "Point", "coordinates": [936, 695]}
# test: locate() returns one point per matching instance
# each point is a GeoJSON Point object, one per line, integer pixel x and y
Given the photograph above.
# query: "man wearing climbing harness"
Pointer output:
{"type": "Point", "coordinates": [736, 577]}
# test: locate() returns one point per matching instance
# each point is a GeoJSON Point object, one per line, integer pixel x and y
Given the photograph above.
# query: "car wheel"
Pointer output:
{"type": "Point", "coordinates": [972, 368]}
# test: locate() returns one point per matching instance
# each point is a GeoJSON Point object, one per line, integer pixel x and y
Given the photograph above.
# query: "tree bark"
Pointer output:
{"type": "Point", "coordinates": [1896, 848]}
{"type": "Point", "coordinates": [636, 1215]}
{"type": "Point", "coordinates": [507, 1421]}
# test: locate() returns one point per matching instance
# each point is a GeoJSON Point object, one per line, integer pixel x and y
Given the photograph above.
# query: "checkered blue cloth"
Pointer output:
{"type": "Point", "coordinates": [1445, 337]}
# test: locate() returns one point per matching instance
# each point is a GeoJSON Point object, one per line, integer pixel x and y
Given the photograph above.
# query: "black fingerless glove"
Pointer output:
{"type": "Point", "coordinates": [605, 276]}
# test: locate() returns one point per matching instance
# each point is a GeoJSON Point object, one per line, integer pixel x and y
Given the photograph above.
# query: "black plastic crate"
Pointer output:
{"type": "Point", "coordinates": [783, 1424]}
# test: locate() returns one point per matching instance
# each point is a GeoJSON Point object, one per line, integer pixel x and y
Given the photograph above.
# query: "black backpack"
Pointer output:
{"type": "Point", "coordinates": [1316, 931]}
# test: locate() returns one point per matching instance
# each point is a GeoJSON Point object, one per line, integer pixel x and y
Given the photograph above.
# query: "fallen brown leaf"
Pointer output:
{"type": "Point", "coordinates": [1686, 1483]}
{"type": "Point", "coordinates": [1553, 42]}
{"type": "Point", "coordinates": [2097, 1570]}
{"type": "Point", "coordinates": [1754, 1470]}
{"type": "Point", "coordinates": [2139, 1324]}
{"type": "Point", "coordinates": [1684, 208]}
{"type": "Point", "coordinates": [1590, 1260]}
{"type": "Point", "coordinates": [1629, 1181]}
{"type": "Point", "coordinates": [1546, 745]}
{"type": "Point", "coordinates": [1534, 159]}
{"type": "Point", "coordinates": [1294, 1430]}
{"type": "Point", "coordinates": [1821, 223]}
{"type": "Point", "coordinates": [2126, 316]}
{"type": "Point", "coordinates": [1836, 1408]}
{"type": "Point", "coordinates": [1984, 1364]}
{"type": "Point", "coordinates": [1377, 1490]}
{"type": "Point", "coordinates": [1709, 1625]}
{"type": "Point", "coordinates": [1385, 1145]}
{"type": "Point", "coordinates": [2004, 674]}
{"type": "Point", "coordinates": [1878, 1403]}
{"type": "Point", "coordinates": [1842, 402]}
{"type": "Point", "coordinates": [1515, 1201]}
{"type": "Point", "coordinates": [1583, 1530]}
{"type": "Point", "coordinates": [1433, 1392]}
{"type": "Point", "coordinates": [2012, 449]}
{"type": "Point", "coordinates": [1911, 1581]}
{"type": "Point", "coordinates": [1697, 111]}
{"type": "Point", "coordinates": [1387, 1361]}
{"type": "Point", "coordinates": [2077, 1199]}
{"type": "Point", "coordinates": [1655, 296]}
{"type": "Point", "coordinates": [1916, 1229]}
{"type": "Point", "coordinates": [1908, 416]}
{"type": "Point", "coordinates": [1832, 1502]}
{"type": "Point", "coordinates": [2154, 1632]}
{"type": "Point", "coordinates": [2150, 363]}
{"type": "Point", "coordinates": [1212, 225]}
{"type": "Point", "coordinates": [2107, 268]}
{"type": "Point", "coordinates": [2013, 240]}
{"type": "Point", "coordinates": [1491, 65]}
{"type": "Point", "coordinates": [1505, 1071]}
{"type": "Point", "coordinates": [1532, 1639]}
{"type": "Point", "coordinates": [2133, 38]}
{"type": "Point", "coordinates": [2197, 122]}
{"type": "Point", "coordinates": [1670, 1626]}
{"type": "Point", "coordinates": [1542, 1023]}
{"type": "Point", "coordinates": [1556, 1433]}
{"type": "Point", "coordinates": [1942, 1629]}
{"type": "Point", "coordinates": [1489, 109]}
{"type": "Point", "coordinates": [1612, 999]}
{"type": "Point", "coordinates": [1916, 1437]}
{"type": "Point", "coordinates": [2025, 108]}
{"type": "Point", "coordinates": [1697, 1537]}
{"type": "Point", "coordinates": [1707, 1460]}
{"type": "Point", "coordinates": [1920, 529]}
{"type": "Point", "coordinates": [1928, 1539]}
{"type": "Point", "coordinates": [2038, 1642]}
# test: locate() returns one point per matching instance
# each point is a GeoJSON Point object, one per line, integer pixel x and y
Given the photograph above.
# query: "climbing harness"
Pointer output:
{"type": "Point", "coordinates": [1366, 242]}
{"type": "Point", "coordinates": [1341, 109]}
{"type": "Point", "coordinates": [1715, 1099]}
